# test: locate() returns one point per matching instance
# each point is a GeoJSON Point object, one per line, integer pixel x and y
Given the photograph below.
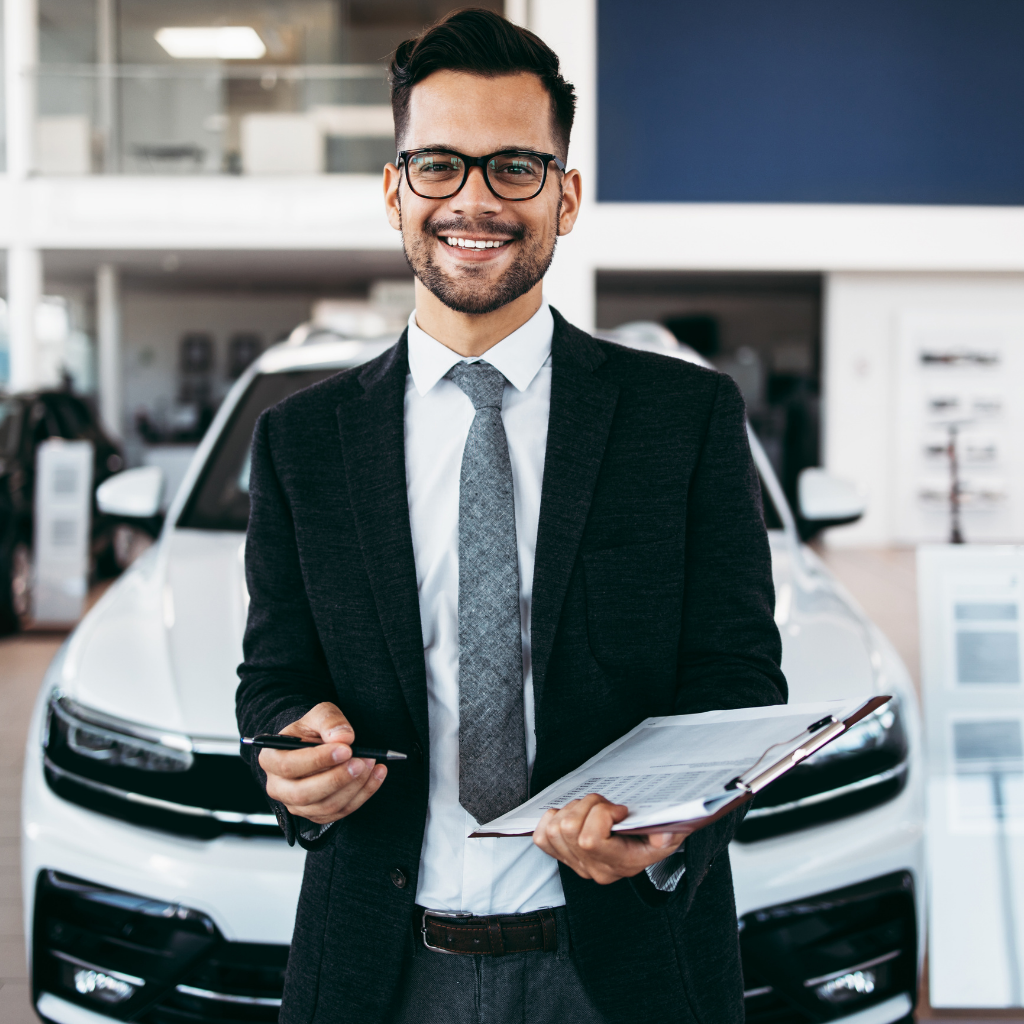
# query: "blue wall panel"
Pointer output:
{"type": "Point", "coordinates": [836, 101]}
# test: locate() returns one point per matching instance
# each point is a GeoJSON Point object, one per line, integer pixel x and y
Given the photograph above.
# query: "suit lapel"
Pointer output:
{"type": "Point", "coordinates": [371, 419]}
{"type": "Point", "coordinates": [582, 407]}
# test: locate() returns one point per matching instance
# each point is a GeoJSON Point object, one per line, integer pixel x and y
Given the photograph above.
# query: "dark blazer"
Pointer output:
{"type": "Point", "coordinates": [652, 595]}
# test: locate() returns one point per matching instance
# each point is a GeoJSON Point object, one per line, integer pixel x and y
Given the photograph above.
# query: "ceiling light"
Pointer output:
{"type": "Point", "coordinates": [225, 42]}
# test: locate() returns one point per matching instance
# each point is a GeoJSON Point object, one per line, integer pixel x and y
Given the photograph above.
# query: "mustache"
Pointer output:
{"type": "Point", "coordinates": [458, 226]}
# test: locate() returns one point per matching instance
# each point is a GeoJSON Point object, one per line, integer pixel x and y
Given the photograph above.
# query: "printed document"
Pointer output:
{"type": "Point", "coordinates": [676, 768]}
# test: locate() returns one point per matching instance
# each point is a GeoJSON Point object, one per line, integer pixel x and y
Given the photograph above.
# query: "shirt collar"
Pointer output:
{"type": "Point", "coordinates": [518, 357]}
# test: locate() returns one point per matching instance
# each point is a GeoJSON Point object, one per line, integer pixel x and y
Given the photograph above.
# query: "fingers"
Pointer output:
{"type": "Point", "coordinates": [580, 836]}
{"type": "Point", "coordinates": [325, 723]}
{"type": "Point", "coordinates": [328, 722]}
{"type": "Point", "coordinates": [344, 802]}
{"type": "Point", "coordinates": [330, 795]}
{"type": "Point", "coordinates": [326, 782]}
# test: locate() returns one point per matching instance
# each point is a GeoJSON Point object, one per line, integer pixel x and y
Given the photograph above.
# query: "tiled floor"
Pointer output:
{"type": "Point", "coordinates": [23, 661]}
{"type": "Point", "coordinates": [883, 582]}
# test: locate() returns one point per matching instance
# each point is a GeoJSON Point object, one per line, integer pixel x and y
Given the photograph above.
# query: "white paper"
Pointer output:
{"type": "Point", "coordinates": [675, 768]}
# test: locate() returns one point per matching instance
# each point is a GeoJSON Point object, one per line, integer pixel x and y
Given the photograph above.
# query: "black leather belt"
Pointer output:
{"type": "Point", "coordinates": [493, 935]}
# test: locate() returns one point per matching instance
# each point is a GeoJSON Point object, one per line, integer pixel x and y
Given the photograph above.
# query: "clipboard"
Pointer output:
{"type": "Point", "coordinates": [762, 773]}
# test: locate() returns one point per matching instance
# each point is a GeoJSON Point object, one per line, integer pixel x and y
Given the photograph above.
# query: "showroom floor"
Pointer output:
{"type": "Point", "coordinates": [882, 581]}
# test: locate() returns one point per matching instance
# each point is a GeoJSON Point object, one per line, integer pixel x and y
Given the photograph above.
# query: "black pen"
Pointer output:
{"type": "Point", "coordinates": [295, 743]}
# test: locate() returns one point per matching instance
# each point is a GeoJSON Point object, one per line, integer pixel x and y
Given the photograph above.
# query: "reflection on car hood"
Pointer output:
{"type": "Point", "coordinates": [827, 650]}
{"type": "Point", "coordinates": [162, 646]}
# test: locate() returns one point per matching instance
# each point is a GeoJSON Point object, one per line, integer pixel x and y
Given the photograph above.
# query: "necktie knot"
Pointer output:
{"type": "Point", "coordinates": [482, 383]}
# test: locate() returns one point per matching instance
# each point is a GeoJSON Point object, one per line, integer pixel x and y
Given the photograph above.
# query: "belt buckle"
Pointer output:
{"type": "Point", "coordinates": [440, 913]}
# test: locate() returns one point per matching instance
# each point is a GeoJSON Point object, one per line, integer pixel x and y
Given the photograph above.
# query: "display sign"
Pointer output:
{"type": "Point", "coordinates": [959, 463]}
{"type": "Point", "coordinates": [971, 600]}
{"type": "Point", "coordinates": [63, 508]}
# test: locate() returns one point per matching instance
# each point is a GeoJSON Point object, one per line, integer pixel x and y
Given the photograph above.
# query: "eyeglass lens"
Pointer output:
{"type": "Point", "coordinates": [511, 175]}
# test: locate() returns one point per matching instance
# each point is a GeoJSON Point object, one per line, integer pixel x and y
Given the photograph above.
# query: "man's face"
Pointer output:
{"type": "Point", "coordinates": [477, 116]}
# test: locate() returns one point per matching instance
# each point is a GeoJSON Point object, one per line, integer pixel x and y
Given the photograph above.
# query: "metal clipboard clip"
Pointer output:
{"type": "Point", "coordinates": [754, 779]}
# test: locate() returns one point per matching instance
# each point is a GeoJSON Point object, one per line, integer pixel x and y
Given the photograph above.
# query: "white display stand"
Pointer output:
{"type": "Point", "coordinates": [964, 372]}
{"type": "Point", "coordinates": [63, 510]}
{"type": "Point", "coordinates": [971, 602]}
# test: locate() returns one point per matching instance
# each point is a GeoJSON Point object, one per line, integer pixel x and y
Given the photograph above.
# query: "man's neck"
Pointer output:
{"type": "Point", "coordinates": [472, 334]}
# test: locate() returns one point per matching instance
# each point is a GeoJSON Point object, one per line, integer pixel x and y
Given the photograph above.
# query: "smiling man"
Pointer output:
{"type": "Point", "coordinates": [499, 546]}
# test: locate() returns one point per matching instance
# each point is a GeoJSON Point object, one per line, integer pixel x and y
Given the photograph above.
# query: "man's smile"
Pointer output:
{"type": "Point", "coordinates": [474, 250]}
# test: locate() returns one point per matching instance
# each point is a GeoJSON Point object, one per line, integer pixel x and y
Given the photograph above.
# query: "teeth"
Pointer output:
{"type": "Point", "coordinates": [471, 243]}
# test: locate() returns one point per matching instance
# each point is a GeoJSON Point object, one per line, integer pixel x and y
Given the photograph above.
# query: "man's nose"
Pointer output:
{"type": "Point", "coordinates": [475, 199]}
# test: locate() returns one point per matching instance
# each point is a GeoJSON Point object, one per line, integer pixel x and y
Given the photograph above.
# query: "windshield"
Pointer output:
{"type": "Point", "coordinates": [220, 498]}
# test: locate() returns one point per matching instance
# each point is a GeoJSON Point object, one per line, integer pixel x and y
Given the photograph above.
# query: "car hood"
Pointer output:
{"type": "Point", "coordinates": [162, 646]}
{"type": "Point", "coordinates": [828, 651]}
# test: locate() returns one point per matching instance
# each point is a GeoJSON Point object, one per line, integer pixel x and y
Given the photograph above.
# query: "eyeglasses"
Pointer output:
{"type": "Point", "coordinates": [514, 174]}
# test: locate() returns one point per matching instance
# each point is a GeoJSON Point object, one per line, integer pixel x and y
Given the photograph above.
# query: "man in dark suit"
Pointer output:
{"type": "Point", "coordinates": [499, 546]}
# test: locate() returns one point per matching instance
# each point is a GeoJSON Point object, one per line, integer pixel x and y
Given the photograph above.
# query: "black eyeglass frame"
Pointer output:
{"type": "Point", "coordinates": [469, 162]}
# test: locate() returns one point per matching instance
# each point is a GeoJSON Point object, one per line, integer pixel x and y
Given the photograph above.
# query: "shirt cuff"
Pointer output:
{"type": "Point", "coordinates": [668, 873]}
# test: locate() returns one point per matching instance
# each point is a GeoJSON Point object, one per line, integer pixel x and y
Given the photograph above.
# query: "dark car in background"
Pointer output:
{"type": "Point", "coordinates": [26, 421]}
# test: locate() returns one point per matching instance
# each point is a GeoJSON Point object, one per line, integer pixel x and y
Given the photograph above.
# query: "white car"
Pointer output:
{"type": "Point", "coordinates": [158, 888]}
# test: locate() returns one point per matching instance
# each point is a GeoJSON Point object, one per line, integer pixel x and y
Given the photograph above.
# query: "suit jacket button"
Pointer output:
{"type": "Point", "coordinates": [398, 878]}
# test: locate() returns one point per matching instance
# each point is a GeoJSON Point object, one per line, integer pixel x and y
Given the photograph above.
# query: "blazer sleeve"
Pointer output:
{"type": "Point", "coordinates": [730, 650]}
{"type": "Point", "coordinates": [284, 673]}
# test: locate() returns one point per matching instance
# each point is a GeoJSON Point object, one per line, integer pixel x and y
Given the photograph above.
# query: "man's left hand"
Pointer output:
{"type": "Point", "coordinates": [580, 835]}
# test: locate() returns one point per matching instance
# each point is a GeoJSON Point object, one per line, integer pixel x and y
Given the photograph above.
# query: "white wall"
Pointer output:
{"type": "Point", "coordinates": [153, 323]}
{"type": "Point", "coordinates": [862, 321]}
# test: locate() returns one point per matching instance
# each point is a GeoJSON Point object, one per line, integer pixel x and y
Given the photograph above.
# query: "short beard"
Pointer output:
{"type": "Point", "coordinates": [468, 296]}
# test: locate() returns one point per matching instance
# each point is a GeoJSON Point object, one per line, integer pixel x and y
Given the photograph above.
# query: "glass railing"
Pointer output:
{"type": "Point", "coordinates": [213, 119]}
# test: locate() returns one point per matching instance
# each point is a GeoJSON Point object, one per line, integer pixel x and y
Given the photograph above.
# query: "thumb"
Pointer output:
{"type": "Point", "coordinates": [330, 723]}
{"type": "Point", "coordinates": [662, 840]}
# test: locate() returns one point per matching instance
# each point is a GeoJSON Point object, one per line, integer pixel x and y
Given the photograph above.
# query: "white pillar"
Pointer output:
{"type": "Point", "coordinates": [518, 12]}
{"type": "Point", "coordinates": [106, 83]}
{"type": "Point", "coordinates": [569, 27]}
{"type": "Point", "coordinates": [21, 57]}
{"type": "Point", "coordinates": [24, 291]}
{"type": "Point", "coordinates": [108, 348]}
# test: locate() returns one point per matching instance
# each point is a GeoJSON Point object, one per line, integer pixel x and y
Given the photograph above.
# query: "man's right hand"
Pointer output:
{"type": "Point", "coordinates": [325, 783]}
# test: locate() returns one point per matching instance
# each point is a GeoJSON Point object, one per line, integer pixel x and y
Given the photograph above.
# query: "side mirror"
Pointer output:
{"type": "Point", "coordinates": [826, 500]}
{"type": "Point", "coordinates": [133, 494]}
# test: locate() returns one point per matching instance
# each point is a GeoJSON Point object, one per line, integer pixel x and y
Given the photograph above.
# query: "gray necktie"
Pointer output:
{"type": "Point", "coordinates": [492, 733]}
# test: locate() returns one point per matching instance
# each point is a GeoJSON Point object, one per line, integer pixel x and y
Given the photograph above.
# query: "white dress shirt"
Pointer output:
{"type": "Point", "coordinates": [478, 876]}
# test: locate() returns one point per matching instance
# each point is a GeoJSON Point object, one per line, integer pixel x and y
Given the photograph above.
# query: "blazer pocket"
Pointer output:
{"type": "Point", "coordinates": [635, 604]}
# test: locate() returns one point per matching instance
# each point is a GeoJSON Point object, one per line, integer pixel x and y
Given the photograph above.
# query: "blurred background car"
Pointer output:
{"type": "Point", "coordinates": [157, 884]}
{"type": "Point", "coordinates": [26, 421]}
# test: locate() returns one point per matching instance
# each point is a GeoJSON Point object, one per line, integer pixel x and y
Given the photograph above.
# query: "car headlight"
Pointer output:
{"type": "Point", "coordinates": [862, 768]}
{"type": "Point", "coordinates": [114, 743]}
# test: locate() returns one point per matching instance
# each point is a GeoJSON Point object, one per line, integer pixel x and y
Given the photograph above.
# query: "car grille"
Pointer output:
{"type": "Point", "coordinates": [217, 794]}
{"type": "Point", "coordinates": [831, 955]}
{"type": "Point", "coordinates": [168, 964]}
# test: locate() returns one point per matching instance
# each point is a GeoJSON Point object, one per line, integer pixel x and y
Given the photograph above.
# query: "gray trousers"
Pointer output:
{"type": "Point", "coordinates": [517, 988]}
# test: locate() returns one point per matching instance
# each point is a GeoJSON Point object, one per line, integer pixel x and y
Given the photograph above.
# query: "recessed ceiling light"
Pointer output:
{"type": "Point", "coordinates": [224, 42]}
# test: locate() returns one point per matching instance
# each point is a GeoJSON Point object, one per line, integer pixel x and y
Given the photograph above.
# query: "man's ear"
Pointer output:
{"type": "Point", "coordinates": [572, 195]}
{"type": "Point", "coordinates": [392, 200]}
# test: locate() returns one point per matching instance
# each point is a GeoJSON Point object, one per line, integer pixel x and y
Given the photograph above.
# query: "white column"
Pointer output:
{"type": "Point", "coordinates": [24, 291]}
{"type": "Point", "coordinates": [518, 12]}
{"type": "Point", "coordinates": [21, 56]}
{"type": "Point", "coordinates": [108, 348]}
{"type": "Point", "coordinates": [569, 27]}
{"type": "Point", "coordinates": [106, 83]}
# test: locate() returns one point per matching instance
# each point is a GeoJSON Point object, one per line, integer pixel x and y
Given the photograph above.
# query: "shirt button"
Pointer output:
{"type": "Point", "coordinates": [398, 878]}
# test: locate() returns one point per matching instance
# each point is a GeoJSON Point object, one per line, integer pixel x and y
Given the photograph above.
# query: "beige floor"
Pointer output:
{"type": "Point", "coordinates": [23, 661]}
{"type": "Point", "coordinates": [883, 582]}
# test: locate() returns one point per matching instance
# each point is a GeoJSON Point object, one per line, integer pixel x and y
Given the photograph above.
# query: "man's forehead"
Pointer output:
{"type": "Point", "coordinates": [477, 114]}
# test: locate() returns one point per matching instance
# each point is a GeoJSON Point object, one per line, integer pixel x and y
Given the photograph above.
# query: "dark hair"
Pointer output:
{"type": "Point", "coordinates": [480, 42]}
